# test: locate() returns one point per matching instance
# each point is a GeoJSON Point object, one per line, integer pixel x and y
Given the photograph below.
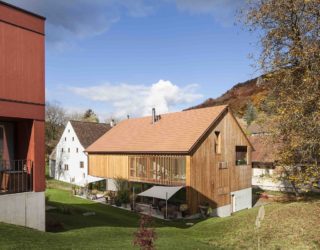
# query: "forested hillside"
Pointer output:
{"type": "Point", "coordinates": [254, 90]}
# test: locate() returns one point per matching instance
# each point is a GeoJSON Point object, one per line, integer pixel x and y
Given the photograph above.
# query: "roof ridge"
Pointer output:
{"type": "Point", "coordinates": [176, 112]}
{"type": "Point", "coordinates": [89, 122]}
{"type": "Point", "coordinates": [176, 132]}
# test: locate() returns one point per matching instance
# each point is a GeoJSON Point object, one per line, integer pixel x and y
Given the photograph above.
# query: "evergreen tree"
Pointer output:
{"type": "Point", "coordinates": [250, 114]}
{"type": "Point", "coordinates": [90, 116]}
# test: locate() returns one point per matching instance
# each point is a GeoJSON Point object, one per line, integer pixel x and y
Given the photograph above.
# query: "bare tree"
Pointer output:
{"type": "Point", "coordinates": [74, 116]}
{"type": "Point", "coordinates": [55, 122]}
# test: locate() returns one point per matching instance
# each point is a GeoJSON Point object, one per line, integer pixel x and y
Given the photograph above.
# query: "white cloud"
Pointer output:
{"type": "Point", "coordinates": [137, 100]}
{"type": "Point", "coordinates": [68, 20]}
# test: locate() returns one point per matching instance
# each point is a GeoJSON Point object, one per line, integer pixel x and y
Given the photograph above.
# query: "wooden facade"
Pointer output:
{"type": "Point", "coordinates": [108, 166]}
{"type": "Point", "coordinates": [213, 175]}
{"type": "Point", "coordinates": [158, 169]}
{"type": "Point", "coordinates": [210, 171]}
{"type": "Point", "coordinates": [22, 87]}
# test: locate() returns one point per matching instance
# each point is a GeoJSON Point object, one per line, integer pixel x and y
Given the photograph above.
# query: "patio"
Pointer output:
{"type": "Point", "coordinates": [154, 202]}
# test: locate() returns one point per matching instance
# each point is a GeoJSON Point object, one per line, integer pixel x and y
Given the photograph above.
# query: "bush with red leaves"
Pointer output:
{"type": "Point", "coordinates": [145, 236]}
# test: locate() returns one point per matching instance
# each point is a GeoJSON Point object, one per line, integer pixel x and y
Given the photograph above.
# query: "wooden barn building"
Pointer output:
{"type": "Point", "coordinates": [204, 150]}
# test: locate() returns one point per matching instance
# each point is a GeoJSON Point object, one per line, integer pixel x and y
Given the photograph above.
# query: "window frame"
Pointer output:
{"type": "Point", "coordinates": [241, 162]}
{"type": "Point", "coordinates": [217, 142]}
{"type": "Point", "coordinates": [81, 164]}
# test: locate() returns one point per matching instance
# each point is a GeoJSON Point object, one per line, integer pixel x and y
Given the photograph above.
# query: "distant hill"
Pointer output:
{"type": "Point", "coordinates": [239, 95]}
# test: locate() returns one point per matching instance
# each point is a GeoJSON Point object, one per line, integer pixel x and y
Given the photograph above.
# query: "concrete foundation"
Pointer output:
{"type": "Point", "coordinates": [241, 199]}
{"type": "Point", "coordinates": [223, 211]}
{"type": "Point", "coordinates": [24, 209]}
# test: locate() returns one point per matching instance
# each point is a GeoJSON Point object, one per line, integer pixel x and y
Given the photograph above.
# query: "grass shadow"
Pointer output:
{"type": "Point", "coordinates": [67, 217]}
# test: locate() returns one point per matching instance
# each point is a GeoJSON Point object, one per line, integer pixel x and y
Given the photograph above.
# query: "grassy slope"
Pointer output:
{"type": "Point", "coordinates": [286, 226]}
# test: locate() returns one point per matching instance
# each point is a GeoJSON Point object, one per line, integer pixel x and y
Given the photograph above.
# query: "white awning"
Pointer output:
{"type": "Point", "coordinates": [161, 192]}
{"type": "Point", "coordinates": [84, 182]}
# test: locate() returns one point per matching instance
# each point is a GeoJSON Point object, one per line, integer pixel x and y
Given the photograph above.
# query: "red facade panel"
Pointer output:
{"type": "Point", "coordinates": [21, 18]}
{"type": "Point", "coordinates": [22, 110]}
{"type": "Point", "coordinates": [21, 64]}
{"type": "Point", "coordinates": [22, 90]}
{"type": "Point", "coordinates": [36, 152]}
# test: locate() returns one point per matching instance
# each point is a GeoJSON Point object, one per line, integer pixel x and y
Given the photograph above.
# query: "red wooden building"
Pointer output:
{"type": "Point", "coordinates": [22, 112]}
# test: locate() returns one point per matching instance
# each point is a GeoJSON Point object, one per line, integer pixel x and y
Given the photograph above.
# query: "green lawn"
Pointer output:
{"type": "Point", "coordinates": [286, 226]}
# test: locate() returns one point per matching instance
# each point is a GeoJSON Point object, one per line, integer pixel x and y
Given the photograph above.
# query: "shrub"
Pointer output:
{"type": "Point", "coordinates": [53, 225]}
{"type": "Point", "coordinates": [123, 196]}
{"type": "Point", "coordinates": [47, 198]}
{"type": "Point", "coordinates": [145, 236]}
{"type": "Point", "coordinates": [123, 192]}
{"type": "Point", "coordinates": [64, 210]}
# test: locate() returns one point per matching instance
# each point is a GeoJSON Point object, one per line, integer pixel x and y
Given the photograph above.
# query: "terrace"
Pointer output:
{"type": "Point", "coordinates": [16, 175]}
{"type": "Point", "coordinates": [163, 170]}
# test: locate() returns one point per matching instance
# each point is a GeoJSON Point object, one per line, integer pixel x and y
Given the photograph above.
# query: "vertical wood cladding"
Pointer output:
{"type": "Point", "coordinates": [21, 64]}
{"type": "Point", "coordinates": [22, 88]}
{"type": "Point", "coordinates": [21, 18]}
{"type": "Point", "coordinates": [108, 166]}
{"type": "Point", "coordinates": [213, 176]}
{"type": "Point", "coordinates": [167, 170]}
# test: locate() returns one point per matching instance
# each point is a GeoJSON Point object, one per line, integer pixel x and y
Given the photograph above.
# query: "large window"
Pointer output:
{"type": "Point", "coordinates": [158, 169]}
{"type": "Point", "coordinates": [241, 155]}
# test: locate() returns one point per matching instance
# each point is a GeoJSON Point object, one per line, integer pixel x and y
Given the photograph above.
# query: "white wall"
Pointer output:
{"type": "Point", "coordinates": [74, 174]}
{"type": "Point", "coordinates": [262, 171]}
{"type": "Point", "coordinates": [268, 183]}
{"type": "Point", "coordinates": [24, 209]}
{"type": "Point", "coordinates": [223, 211]}
{"type": "Point", "coordinates": [111, 185]}
{"type": "Point", "coordinates": [242, 199]}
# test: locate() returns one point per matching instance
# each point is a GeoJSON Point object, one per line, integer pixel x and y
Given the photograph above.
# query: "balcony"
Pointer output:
{"type": "Point", "coordinates": [16, 176]}
{"type": "Point", "coordinates": [162, 170]}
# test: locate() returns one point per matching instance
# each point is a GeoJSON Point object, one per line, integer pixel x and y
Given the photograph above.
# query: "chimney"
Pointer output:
{"type": "Point", "coordinates": [153, 115]}
{"type": "Point", "coordinates": [112, 123]}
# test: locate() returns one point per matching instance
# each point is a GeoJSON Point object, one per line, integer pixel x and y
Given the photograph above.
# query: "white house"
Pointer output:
{"type": "Point", "coordinates": [68, 161]}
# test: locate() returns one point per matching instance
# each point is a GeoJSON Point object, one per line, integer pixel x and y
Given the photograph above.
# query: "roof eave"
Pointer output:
{"type": "Point", "coordinates": [23, 10]}
{"type": "Point", "coordinates": [140, 152]}
{"type": "Point", "coordinates": [212, 125]}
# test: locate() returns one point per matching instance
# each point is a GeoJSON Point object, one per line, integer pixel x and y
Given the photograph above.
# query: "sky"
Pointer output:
{"type": "Point", "coordinates": [124, 57]}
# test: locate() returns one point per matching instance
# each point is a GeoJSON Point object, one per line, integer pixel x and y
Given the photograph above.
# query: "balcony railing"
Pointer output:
{"type": "Point", "coordinates": [164, 170]}
{"type": "Point", "coordinates": [16, 176]}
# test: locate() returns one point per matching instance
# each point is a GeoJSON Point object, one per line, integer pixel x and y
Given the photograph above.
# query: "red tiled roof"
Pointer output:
{"type": "Point", "coordinates": [264, 149]}
{"type": "Point", "coordinates": [174, 132]}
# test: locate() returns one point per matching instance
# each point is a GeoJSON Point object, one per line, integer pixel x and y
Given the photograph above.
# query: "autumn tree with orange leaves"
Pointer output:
{"type": "Point", "coordinates": [290, 41]}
